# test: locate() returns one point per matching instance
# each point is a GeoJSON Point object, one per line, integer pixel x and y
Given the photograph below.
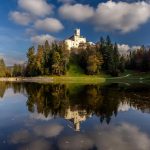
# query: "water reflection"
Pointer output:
{"type": "Point", "coordinates": [77, 117]}
{"type": "Point", "coordinates": [79, 102]}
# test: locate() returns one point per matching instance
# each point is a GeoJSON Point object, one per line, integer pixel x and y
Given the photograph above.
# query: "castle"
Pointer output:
{"type": "Point", "coordinates": [76, 40]}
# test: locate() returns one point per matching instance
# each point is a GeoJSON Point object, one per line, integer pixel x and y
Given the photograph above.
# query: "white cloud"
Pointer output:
{"type": "Point", "coordinates": [40, 39]}
{"type": "Point", "coordinates": [36, 7]}
{"type": "Point", "coordinates": [121, 16]}
{"type": "Point", "coordinates": [77, 12]}
{"type": "Point", "coordinates": [125, 49]}
{"type": "Point", "coordinates": [49, 25]}
{"type": "Point", "coordinates": [20, 18]}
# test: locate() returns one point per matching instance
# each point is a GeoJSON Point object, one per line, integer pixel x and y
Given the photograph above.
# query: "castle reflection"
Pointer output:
{"type": "Point", "coordinates": [76, 116]}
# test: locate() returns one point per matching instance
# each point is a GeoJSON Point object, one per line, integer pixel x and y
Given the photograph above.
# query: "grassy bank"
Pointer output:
{"type": "Point", "coordinates": [57, 79]}
{"type": "Point", "coordinates": [131, 76]}
{"type": "Point", "coordinates": [79, 77]}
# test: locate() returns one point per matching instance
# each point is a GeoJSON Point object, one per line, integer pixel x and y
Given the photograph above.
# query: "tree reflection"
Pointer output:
{"type": "Point", "coordinates": [78, 102]}
{"type": "Point", "coordinates": [47, 99]}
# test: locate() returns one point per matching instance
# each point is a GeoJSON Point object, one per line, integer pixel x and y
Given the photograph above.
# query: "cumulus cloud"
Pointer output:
{"type": "Point", "coordinates": [20, 18]}
{"type": "Point", "coordinates": [49, 25]}
{"type": "Point", "coordinates": [76, 12]}
{"type": "Point", "coordinates": [36, 7]}
{"type": "Point", "coordinates": [40, 39]}
{"type": "Point", "coordinates": [125, 49]}
{"type": "Point", "coordinates": [121, 16]}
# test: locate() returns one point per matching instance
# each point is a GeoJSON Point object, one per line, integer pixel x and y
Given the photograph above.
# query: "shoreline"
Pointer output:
{"type": "Point", "coordinates": [55, 79]}
{"type": "Point", "coordinates": [75, 79]}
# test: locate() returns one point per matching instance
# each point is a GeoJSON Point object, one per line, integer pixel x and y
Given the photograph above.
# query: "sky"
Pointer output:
{"type": "Point", "coordinates": [24, 23]}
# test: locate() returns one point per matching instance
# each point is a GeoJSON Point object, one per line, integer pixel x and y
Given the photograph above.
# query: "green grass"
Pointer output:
{"type": "Point", "coordinates": [75, 79]}
{"type": "Point", "coordinates": [133, 76]}
{"type": "Point", "coordinates": [75, 70]}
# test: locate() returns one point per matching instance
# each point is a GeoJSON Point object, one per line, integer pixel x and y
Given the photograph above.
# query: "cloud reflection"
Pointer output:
{"type": "Point", "coordinates": [39, 144]}
{"type": "Point", "coordinates": [39, 116]}
{"type": "Point", "coordinates": [48, 130]}
{"type": "Point", "coordinates": [36, 137]}
{"type": "Point", "coordinates": [121, 137]}
{"type": "Point", "coordinates": [22, 136]}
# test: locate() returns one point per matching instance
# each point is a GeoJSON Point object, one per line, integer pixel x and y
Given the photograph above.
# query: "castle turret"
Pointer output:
{"type": "Point", "coordinates": [77, 32]}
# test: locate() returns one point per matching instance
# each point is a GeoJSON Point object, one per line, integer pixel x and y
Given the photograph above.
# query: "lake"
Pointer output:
{"type": "Point", "coordinates": [112, 116]}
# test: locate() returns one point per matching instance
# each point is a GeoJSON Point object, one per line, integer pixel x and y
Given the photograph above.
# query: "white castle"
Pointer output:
{"type": "Point", "coordinates": [75, 40]}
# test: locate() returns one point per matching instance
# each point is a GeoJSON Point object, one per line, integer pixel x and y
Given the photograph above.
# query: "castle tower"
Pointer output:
{"type": "Point", "coordinates": [77, 32]}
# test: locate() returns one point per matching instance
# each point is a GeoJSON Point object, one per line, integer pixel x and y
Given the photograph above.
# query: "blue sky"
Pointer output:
{"type": "Point", "coordinates": [26, 22]}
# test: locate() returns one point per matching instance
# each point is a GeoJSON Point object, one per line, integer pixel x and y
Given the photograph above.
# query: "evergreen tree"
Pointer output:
{"type": "Point", "coordinates": [47, 58]}
{"type": "Point", "coordinates": [115, 71]}
{"type": "Point", "coordinates": [122, 64]}
{"type": "Point", "coordinates": [2, 68]}
{"type": "Point", "coordinates": [91, 60]}
{"type": "Point", "coordinates": [31, 69]}
{"type": "Point", "coordinates": [40, 60]}
{"type": "Point", "coordinates": [56, 63]}
{"type": "Point", "coordinates": [18, 70]}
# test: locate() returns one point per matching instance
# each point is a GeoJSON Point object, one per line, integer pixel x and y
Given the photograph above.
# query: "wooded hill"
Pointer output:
{"type": "Point", "coordinates": [55, 59]}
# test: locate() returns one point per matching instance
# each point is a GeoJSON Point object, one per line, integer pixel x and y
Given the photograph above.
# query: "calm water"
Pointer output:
{"type": "Point", "coordinates": [76, 117]}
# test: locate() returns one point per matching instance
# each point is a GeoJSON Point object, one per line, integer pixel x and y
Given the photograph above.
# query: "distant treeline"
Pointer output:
{"type": "Point", "coordinates": [55, 59]}
{"type": "Point", "coordinates": [139, 60]}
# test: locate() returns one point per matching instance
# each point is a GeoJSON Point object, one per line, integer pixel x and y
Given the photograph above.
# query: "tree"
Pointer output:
{"type": "Point", "coordinates": [2, 68]}
{"type": "Point", "coordinates": [92, 64]}
{"type": "Point", "coordinates": [56, 63]}
{"type": "Point", "coordinates": [47, 58]}
{"type": "Point", "coordinates": [91, 59]}
{"type": "Point", "coordinates": [40, 60]}
{"type": "Point", "coordinates": [64, 55]}
{"type": "Point", "coordinates": [107, 52]}
{"type": "Point", "coordinates": [139, 60]}
{"type": "Point", "coordinates": [115, 69]}
{"type": "Point", "coordinates": [18, 70]}
{"type": "Point", "coordinates": [31, 69]}
{"type": "Point", "coordinates": [122, 64]}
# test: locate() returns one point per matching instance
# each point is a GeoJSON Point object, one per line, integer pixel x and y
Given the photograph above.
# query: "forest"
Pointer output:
{"type": "Point", "coordinates": [55, 59]}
